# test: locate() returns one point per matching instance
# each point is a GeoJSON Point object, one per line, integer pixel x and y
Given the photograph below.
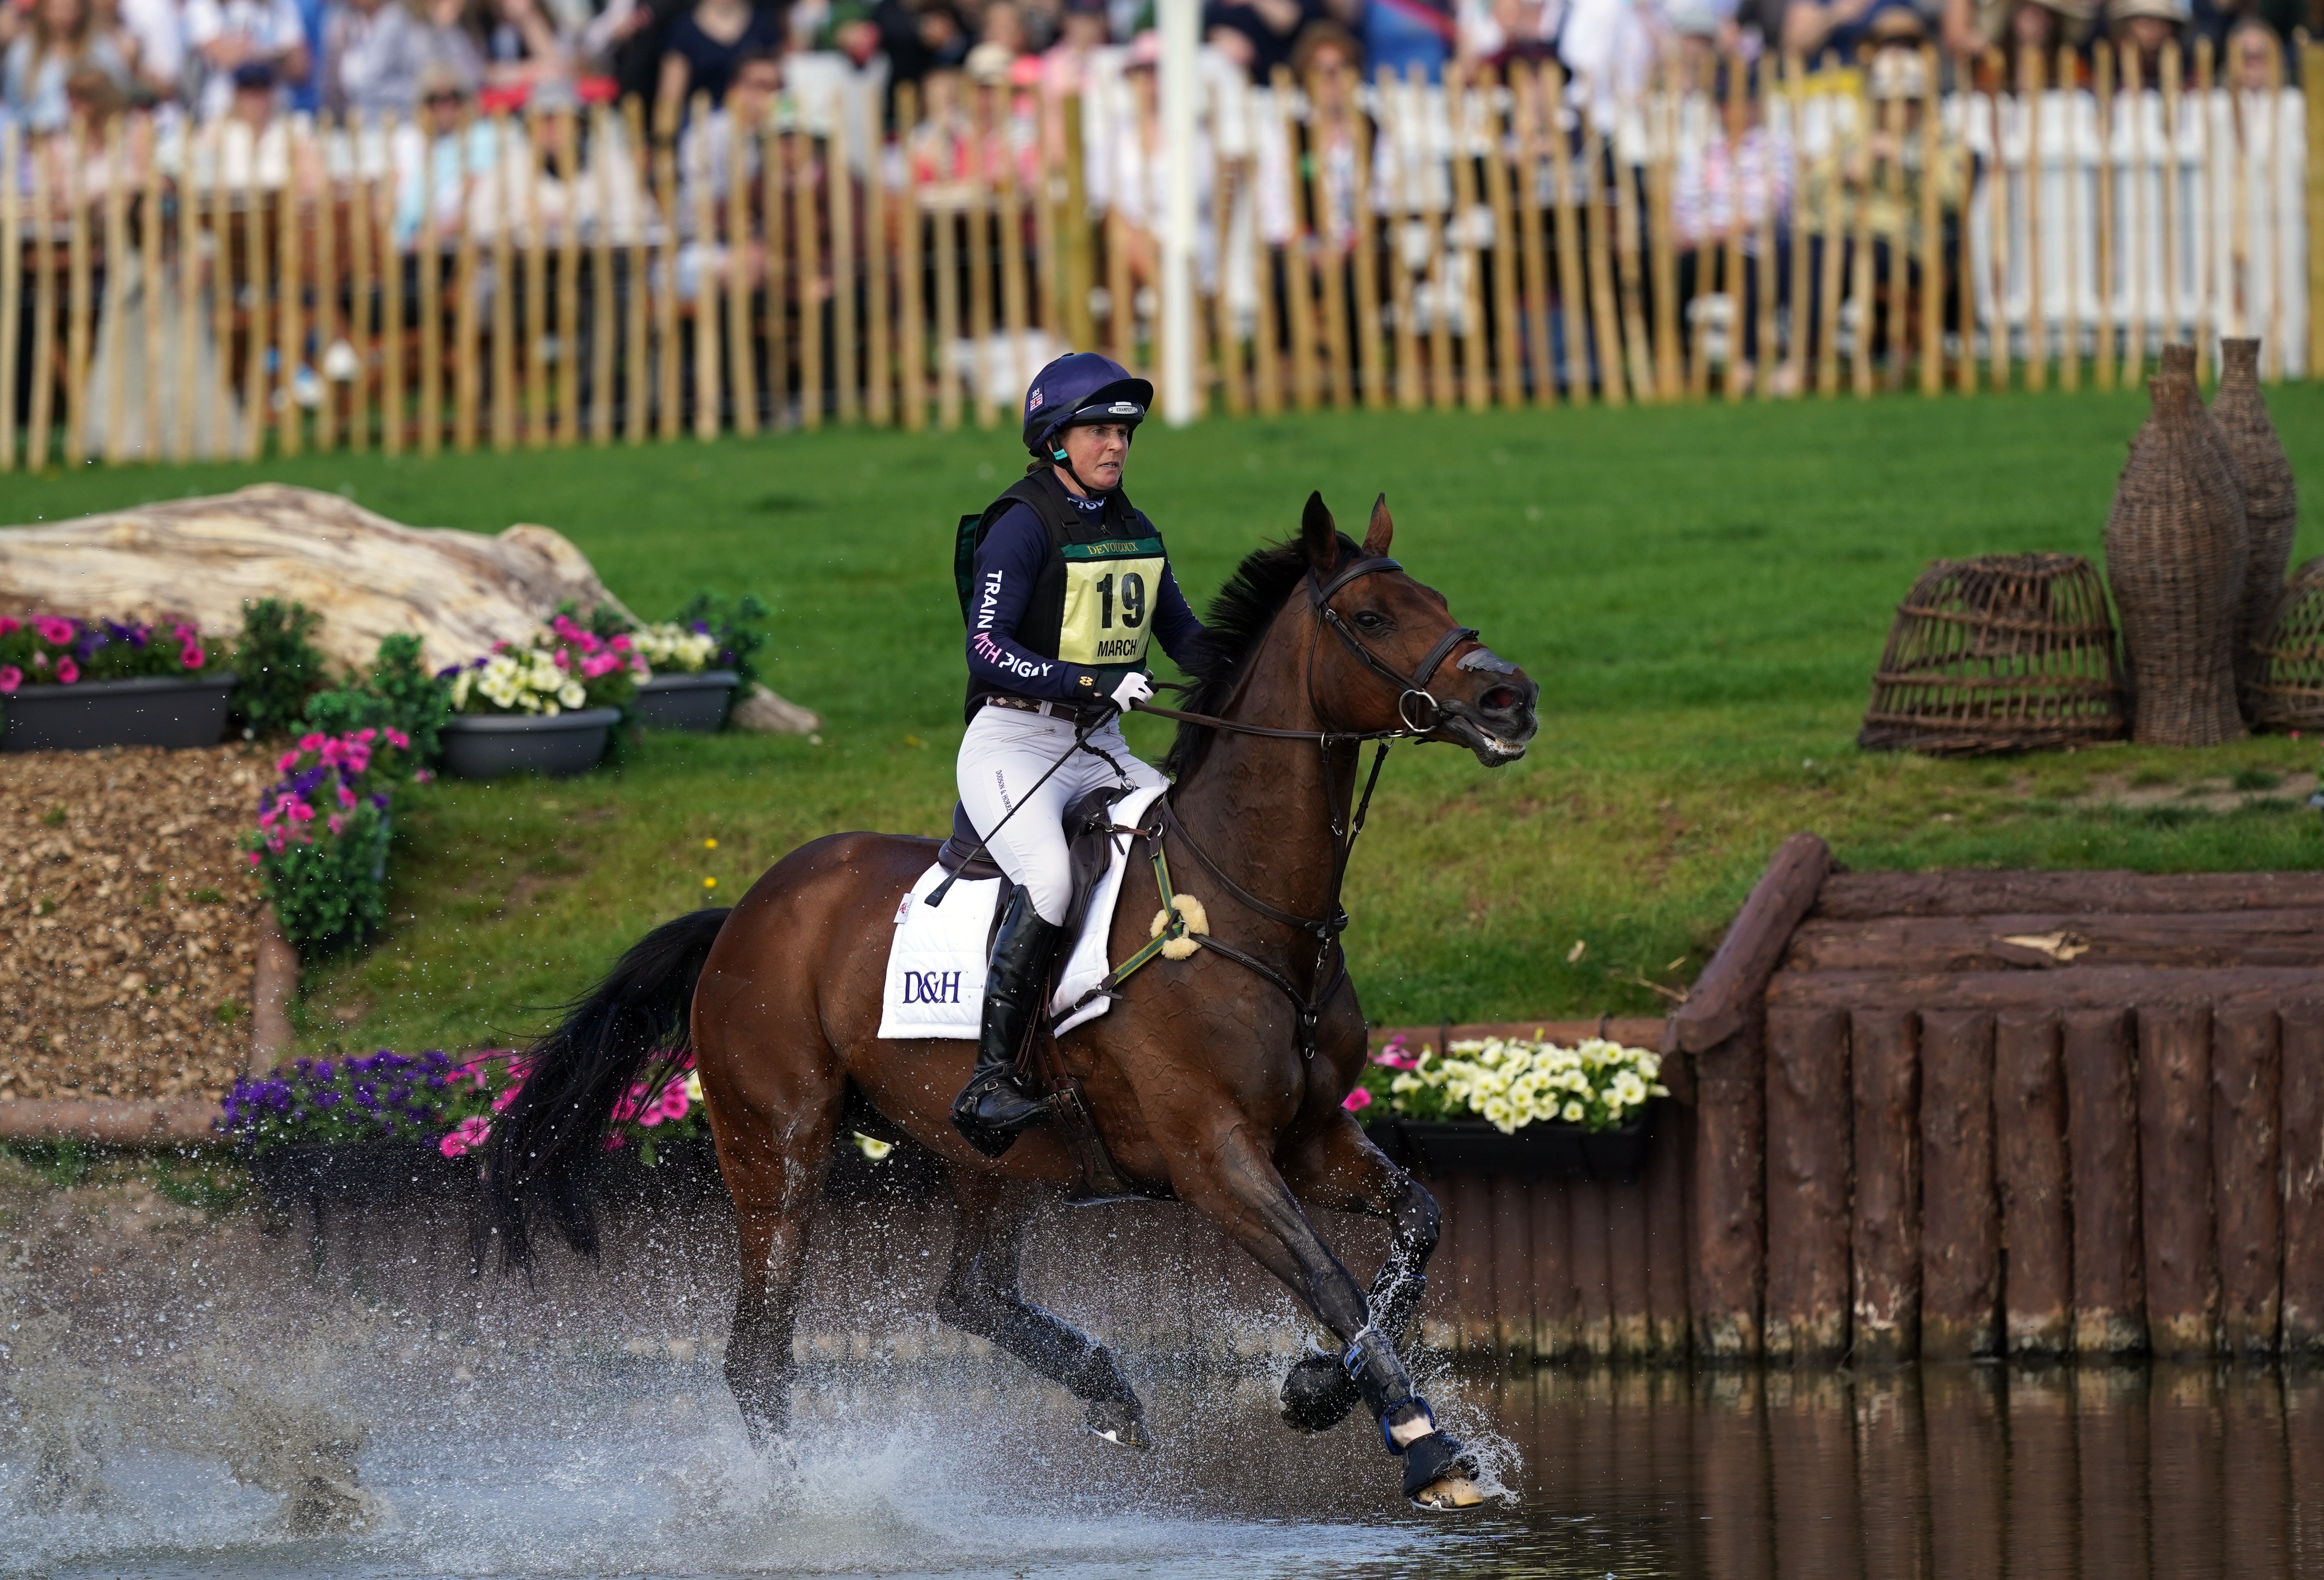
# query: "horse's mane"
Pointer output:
{"type": "Point", "coordinates": [1237, 621]}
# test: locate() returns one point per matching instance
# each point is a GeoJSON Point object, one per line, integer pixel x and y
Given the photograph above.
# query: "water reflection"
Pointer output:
{"type": "Point", "coordinates": [1951, 1471]}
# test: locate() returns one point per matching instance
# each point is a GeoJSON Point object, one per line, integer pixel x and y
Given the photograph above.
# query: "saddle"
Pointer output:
{"type": "Point", "coordinates": [1089, 829]}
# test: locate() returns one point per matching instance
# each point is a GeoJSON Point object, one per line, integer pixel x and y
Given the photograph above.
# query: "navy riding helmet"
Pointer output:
{"type": "Point", "coordinates": [1081, 387]}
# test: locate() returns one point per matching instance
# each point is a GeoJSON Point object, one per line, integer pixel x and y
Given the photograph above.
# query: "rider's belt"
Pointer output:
{"type": "Point", "coordinates": [1051, 709]}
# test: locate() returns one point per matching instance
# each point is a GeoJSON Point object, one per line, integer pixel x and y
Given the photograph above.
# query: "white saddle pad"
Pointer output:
{"type": "Point", "coordinates": [936, 963]}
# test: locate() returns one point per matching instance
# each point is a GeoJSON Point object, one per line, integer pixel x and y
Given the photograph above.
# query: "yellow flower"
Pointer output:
{"type": "Point", "coordinates": [709, 883]}
{"type": "Point", "coordinates": [710, 844]}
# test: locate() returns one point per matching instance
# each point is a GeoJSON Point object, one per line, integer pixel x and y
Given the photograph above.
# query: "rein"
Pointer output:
{"type": "Point", "coordinates": [1325, 929]}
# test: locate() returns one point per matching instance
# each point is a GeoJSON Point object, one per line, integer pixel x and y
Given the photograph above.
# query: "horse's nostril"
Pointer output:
{"type": "Point", "coordinates": [1501, 698]}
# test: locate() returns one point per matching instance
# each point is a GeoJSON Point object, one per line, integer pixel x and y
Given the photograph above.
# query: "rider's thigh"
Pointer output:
{"type": "Point", "coordinates": [1002, 758]}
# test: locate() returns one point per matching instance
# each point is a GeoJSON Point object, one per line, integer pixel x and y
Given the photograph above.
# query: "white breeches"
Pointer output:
{"type": "Point", "coordinates": [1001, 755]}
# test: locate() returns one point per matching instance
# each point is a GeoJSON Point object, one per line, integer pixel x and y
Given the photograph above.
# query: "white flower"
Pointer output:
{"type": "Point", "coordinates": [1573, 1112]}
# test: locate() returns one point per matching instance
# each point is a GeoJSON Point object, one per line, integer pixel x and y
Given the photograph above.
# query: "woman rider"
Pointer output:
{"type": "Point", "coordinates": [1069, 582]}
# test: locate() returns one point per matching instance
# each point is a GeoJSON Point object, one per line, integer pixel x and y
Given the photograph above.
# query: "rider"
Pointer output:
{"type": "Point", "coordinates": [1069, 581]}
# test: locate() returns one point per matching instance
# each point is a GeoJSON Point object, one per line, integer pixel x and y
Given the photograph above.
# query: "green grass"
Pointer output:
{"type": "Point", "coordinates": [1702, 591]}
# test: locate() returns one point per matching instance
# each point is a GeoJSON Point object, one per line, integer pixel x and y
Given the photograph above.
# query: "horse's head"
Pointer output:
{"type": "Point", "coordinates": [1399, 660]}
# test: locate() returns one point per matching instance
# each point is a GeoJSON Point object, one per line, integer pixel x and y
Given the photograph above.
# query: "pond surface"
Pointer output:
{"type": "Point", "coordinates": [189, 1395]}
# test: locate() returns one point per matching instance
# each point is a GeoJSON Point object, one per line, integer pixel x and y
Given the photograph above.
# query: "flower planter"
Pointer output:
{"type": "Point", "coordinates": [688, 702]}
{"type": "Point", "coordinates": [485, 746]}
{"type": "Point", "coordinates": [1539, 1151]}
{"type": "Point", "coordinates": [165, 710]}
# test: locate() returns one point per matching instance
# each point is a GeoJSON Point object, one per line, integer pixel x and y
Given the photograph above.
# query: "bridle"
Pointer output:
{"type": "Point", "coordinates": [1411, 689]}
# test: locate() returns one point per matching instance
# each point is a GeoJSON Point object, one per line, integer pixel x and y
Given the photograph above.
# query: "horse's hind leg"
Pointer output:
{"type": "Point", "coordinates": [773, 1176]}
{"type": "Point", "coordinates": [981, 1296]}
{"type": "Point", "coordinates": [1342, 1169]}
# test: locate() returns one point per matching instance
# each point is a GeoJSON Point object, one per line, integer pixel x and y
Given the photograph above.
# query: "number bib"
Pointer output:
{"type": "Point", "coordinates": [1109, 592]}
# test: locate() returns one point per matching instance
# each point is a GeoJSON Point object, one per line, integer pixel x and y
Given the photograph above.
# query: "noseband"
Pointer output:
{"type": "Point", "coordinates": [1411, 690]}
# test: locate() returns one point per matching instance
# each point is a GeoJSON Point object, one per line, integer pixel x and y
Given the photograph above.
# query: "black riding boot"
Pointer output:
{"type": "Point", "coordinates": [990, 1110]}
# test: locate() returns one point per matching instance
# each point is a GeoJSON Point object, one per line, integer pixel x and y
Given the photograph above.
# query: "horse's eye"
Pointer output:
{"type": "Point", "coordinates": [1367, 620]}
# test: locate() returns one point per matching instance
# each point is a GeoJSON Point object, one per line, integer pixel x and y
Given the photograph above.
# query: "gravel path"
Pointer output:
{"type": "Point", "coordinates": [128, 922]}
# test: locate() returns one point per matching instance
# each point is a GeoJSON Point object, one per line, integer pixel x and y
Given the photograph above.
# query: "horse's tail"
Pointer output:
{"type": "Point", "coordinates": [547, 1146]}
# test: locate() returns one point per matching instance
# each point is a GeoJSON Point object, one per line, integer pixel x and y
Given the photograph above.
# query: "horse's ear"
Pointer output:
{"type": "Point", "coordinates": [1379, 535]}
{"type": "Point", "coordinates": [1319, 534]}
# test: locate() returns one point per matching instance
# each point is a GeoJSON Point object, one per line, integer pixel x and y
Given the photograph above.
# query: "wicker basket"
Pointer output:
{"type": "Point", "coordinates": [2289, 693]}
{"type": "Point", "coordinates": [2177, 543]}
{"type": "Point", "coordinates": [2271, 505]}
{"type": "Point", "coordinates": [2008, 653]}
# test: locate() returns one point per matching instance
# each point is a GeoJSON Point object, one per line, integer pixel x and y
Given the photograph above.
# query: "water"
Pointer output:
{"type": "Point", "coordinates": [184, 1393]}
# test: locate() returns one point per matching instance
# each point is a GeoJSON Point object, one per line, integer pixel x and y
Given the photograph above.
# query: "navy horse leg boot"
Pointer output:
{"type": "Point", "coordinates": [991, 1110]}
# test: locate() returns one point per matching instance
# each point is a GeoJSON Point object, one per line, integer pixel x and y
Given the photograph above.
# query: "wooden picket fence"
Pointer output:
{"type": "Point", "coordinates": [566, 278]}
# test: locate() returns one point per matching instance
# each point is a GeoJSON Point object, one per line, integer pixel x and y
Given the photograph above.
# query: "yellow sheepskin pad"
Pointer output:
{"type": "Point", "coordinates": [1197, 920]}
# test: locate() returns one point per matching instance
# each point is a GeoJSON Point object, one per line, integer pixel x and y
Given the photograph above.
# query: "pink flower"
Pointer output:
{"type": "Point", "coordinates": [312, 741]}
{"type": "Point", "coordinates": [674, 1100]}
{"type": "Point", "coordinates": [192, 656]}
{"type": "Point", "coordinates": [68, 671]}
{"type": "Point", "coordinates": [54, 632]}
{"type": "Point", "coordinates": [1394, 1056]}
{"type": "Point", "coordinates": [184, 633]}
{"type": "Point", "coordinates": [10, 677]}
{"type": "Point", "coordinates": [422, 776]}
{"type": "Point", "coordinates": [467, 1134]}
{"type": "Point", "coordinates": [297, 810]}
{"type": "Point", "coordinates": [346, 796]}
{"type": "Point", "coordinates": [10, 625]}
{"type": "Point", "coordinates": [621, 644]}
{"type": "Point", "coordinates": [399, 739]}
{"type": "Point", "coordinates": [254, 858]}
{"type": "Point", "coordinates": [286, 762]}
{"type": "Point", "coordinates": [561, 659]}
{"type": "Point", "coordinates": [337, 825]}
{"type": "Point", "coordinates": [504, 1099]}
{"type": "Point", "coordinates": [1357, 1101]}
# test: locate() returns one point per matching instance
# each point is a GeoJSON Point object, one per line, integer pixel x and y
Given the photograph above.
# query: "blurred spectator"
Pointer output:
{"type": "Point", "coordinates": [434, 165]}
{"type": "Point", "coordinates": [227, 35]}
{"type": "Point", "coordinates": [253, 88]}
{"type": "Point", "coordinates": [707, 44]}
{"type": "Point", "coordinates": [707, 148]}
{"type": "Point", "coordinates": [304, 92]}
{"type": "Point", "coordinates": [451, 47]}
{"type": "Point", "coordinates": [2216, 19]}
{"type": "Point", "coordinates": [2254, 51]}
{"type": "Point", "coordinates": [1328, 65]}
{"type": "Point", "coordinates": [1971, 27]}
{"type": "Point", "coordinates": [373, 54]}
{"type": "Point", "coordinates": [160, 59]}
{"type": "Point", "coordinates": [56, 41]}
{"type": "Point", "coordinates": [1811, 27]}
{"type": "Point", "coordinates": [2142, 27]}
{"type": "Point", "coordinates": [526, 62]}
{"type": "Point", "coordinates": [1257, 34]}
{"type": "Point", "coordinates": [1522, 30]}
{"type": "Point", "coordinates": [1401, 34]}
{"type": "Point", "coordinates": [1004, 28]}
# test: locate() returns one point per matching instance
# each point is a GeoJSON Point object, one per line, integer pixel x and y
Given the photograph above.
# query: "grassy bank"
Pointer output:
{"type": "Point", "coordinates": [1702, 591]}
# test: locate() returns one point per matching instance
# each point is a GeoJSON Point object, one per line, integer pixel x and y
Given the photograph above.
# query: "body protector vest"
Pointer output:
{"type": "Point", "coordinates": [1097, 588]}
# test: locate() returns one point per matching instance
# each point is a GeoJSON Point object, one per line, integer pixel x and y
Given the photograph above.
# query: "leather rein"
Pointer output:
{"type": "Point", "coordinates": [1412, 689]}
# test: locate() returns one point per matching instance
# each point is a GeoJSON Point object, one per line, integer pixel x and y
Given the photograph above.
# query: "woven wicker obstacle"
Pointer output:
{"type": "Point", "coordinates": [2288, 693]}
{"type": "Point", "coordinates": [2011, 652]}
{"type": "Point", "coordinates": [2177, 542]}
{"type": "Point", "coordinates": [2272, 505]}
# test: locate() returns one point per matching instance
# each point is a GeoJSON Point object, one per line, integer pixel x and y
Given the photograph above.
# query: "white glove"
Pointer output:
{"type": "Point", "coordinates": [1135, 688]}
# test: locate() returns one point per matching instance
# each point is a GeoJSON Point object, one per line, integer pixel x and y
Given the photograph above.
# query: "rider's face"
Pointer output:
{"type": "Point", "coordinates": [1098, 451]}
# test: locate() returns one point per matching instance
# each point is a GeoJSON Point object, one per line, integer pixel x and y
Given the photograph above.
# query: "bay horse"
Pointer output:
{"type": "Point", "coordinates": [1216, 1080]}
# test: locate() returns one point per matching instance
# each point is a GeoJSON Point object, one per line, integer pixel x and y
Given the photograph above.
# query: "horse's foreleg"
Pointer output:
{"type": "Point", "coordinates": [981, 1295]}
{"type": "Point", "coordinates": [1238, 1188]}
{"type": "Point", "coordinates": [1342, 1169]}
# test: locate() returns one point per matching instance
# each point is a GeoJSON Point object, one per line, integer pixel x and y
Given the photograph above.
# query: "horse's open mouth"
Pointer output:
{"type": "Point", "coordinates": [1497, 743]}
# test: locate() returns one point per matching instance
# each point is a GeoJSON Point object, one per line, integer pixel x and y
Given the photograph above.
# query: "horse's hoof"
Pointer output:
{"type": "Point", "coordinates": [1118, 1424]}
{"type": "Point", "coordinates": [1453, 1492]}
{"type": "Point", "coordinates": [1317, 1394]}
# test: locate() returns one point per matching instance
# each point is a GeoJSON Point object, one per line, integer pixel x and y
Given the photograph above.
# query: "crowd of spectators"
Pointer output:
{"type": "Point", "coordinates": [198, 58]}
